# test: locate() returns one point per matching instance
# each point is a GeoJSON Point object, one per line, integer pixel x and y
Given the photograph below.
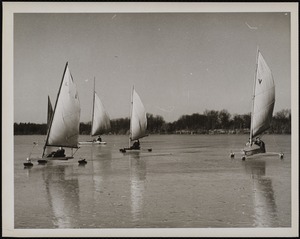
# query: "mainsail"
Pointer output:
{"type": "Point", "coordinates": [100, 118]}
{"type": "Point", "coordinates": [263, 98]}
{"type": "Point", "coordinates": [64, 125]}
{"type": "Point", "coordinates": [138, 123]}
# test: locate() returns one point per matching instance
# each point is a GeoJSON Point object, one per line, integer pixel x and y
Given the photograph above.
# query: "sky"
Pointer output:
{"type": "Point", "coordinates": [179, 63]}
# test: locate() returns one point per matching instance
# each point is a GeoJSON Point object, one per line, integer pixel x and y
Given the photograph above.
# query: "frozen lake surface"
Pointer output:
{"type": "Point", "coordinates": [187, 181]}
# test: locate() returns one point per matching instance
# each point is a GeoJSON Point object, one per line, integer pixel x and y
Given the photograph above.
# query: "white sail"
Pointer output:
{"type": "Point", "coordinates": [100, 120]}
{"type": "Point", "coordinates": [64, 127]}
{"type": "Point", "coordinates": [264, 98]}
{"type": "Point", "coordinates": [138, 123]}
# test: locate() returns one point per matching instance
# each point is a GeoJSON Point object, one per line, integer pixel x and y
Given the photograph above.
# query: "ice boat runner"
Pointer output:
{"type": "Point", "coordinates": [63, 129]}
{"type": "Point", "coordinates": [100, 120]}
{"type": "Point", "coordinates": [138, 123]}
{"type": "Point", "coordinates": [262, 106]}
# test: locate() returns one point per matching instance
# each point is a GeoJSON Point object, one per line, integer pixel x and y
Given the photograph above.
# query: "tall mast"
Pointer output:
{"type": "Point", "coordinates": [93, 107]}
{"type": "Point", "coordinates": [253, 97]}
{"type": "Point", "coordinates": [48, 131]}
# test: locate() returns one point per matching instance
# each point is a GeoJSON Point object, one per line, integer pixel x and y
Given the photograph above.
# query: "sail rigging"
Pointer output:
{"type": "Point", "coordinates": [138, 122]}
{"type": "Point", "coordinates": [100, 118]}
{"type": "Point", "coordinates": [263, 98]}
{"type": "Point", "coordinates": [64, 124]}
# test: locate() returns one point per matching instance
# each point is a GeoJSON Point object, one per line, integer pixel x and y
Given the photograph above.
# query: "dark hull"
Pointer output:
{"type": "Point", "coordinates": [129, 150]}
{"type": "Point", "coordinates": [44, 160]}
{"type": "Point", "coordinates": [28, 164]}
{"type": "Point", "coordinates": [254, 149]}
{"type": "Point", "coordinates": [60, 158]}
{"type": "Point", "coordinates": [126, 150]}
{"type": "Point", "coordinates": [92, 142]}
{"type": "Point", "coordinates": [82, 161]}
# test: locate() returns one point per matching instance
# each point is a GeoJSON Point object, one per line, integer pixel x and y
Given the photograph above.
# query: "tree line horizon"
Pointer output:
{"type": "Point", "coordinates": [210, 122]}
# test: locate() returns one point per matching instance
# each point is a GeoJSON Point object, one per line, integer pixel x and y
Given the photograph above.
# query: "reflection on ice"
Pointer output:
{"type": "Point", "coordinates": [186, 182]}
{"type": "Point", "coordinates": [101, 164]}
{"type": "Point", "coordinates": [137, 184]}
{"type": "Point", "coordinates": [263, 195]}
{"type": "Point", "coordinates": [63, 196]}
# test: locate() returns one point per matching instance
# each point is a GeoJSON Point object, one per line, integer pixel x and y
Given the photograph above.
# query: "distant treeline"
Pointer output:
{"type": "Point", "coordinates": [210, 122]}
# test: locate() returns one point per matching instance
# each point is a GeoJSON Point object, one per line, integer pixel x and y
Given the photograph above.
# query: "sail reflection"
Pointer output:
{"type": "Point", "coordinates": [137, 184]}
{"type": "Point", "coordinates": [264, 201]}
{"type": "Point", "coordinates": [102, 168]}
{"type": "Point", "coordinates": [63, 195]}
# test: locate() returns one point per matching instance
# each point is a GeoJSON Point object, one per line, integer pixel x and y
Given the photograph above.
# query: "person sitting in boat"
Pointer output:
{"type": "Point", "coordinates": [58, 153]}
{"type": "Point", "coordinates": [262, 146]}
{"type": "Point", "coordinates": [99, 139]}
{"type": "Point", "coordinates": [260, 143]}
{"type": "Point", "coordinates": [257, 141]}
{"type": "Point", "coordinates": [136, 145]}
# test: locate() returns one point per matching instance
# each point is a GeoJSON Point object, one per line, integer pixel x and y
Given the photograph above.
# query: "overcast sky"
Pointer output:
{"type": "Point", "coordinates": [179, 63]}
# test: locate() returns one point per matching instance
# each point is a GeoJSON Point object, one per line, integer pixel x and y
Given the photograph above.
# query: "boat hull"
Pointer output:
{"type": "Point", "coordinates": [253, 149]}
{"type": "Point", "coordinates": [129, 150]}
{"type": "Point", "coordinates": [28, 164]}
{"type": "Point", "coordinates": [92, 143]}
{"type": "Point", "coordinates": [44, 160]}
{"type": "Point", "coordinates": [82, 161]}
{"type": "Point", "coordinates": [60, 158]}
